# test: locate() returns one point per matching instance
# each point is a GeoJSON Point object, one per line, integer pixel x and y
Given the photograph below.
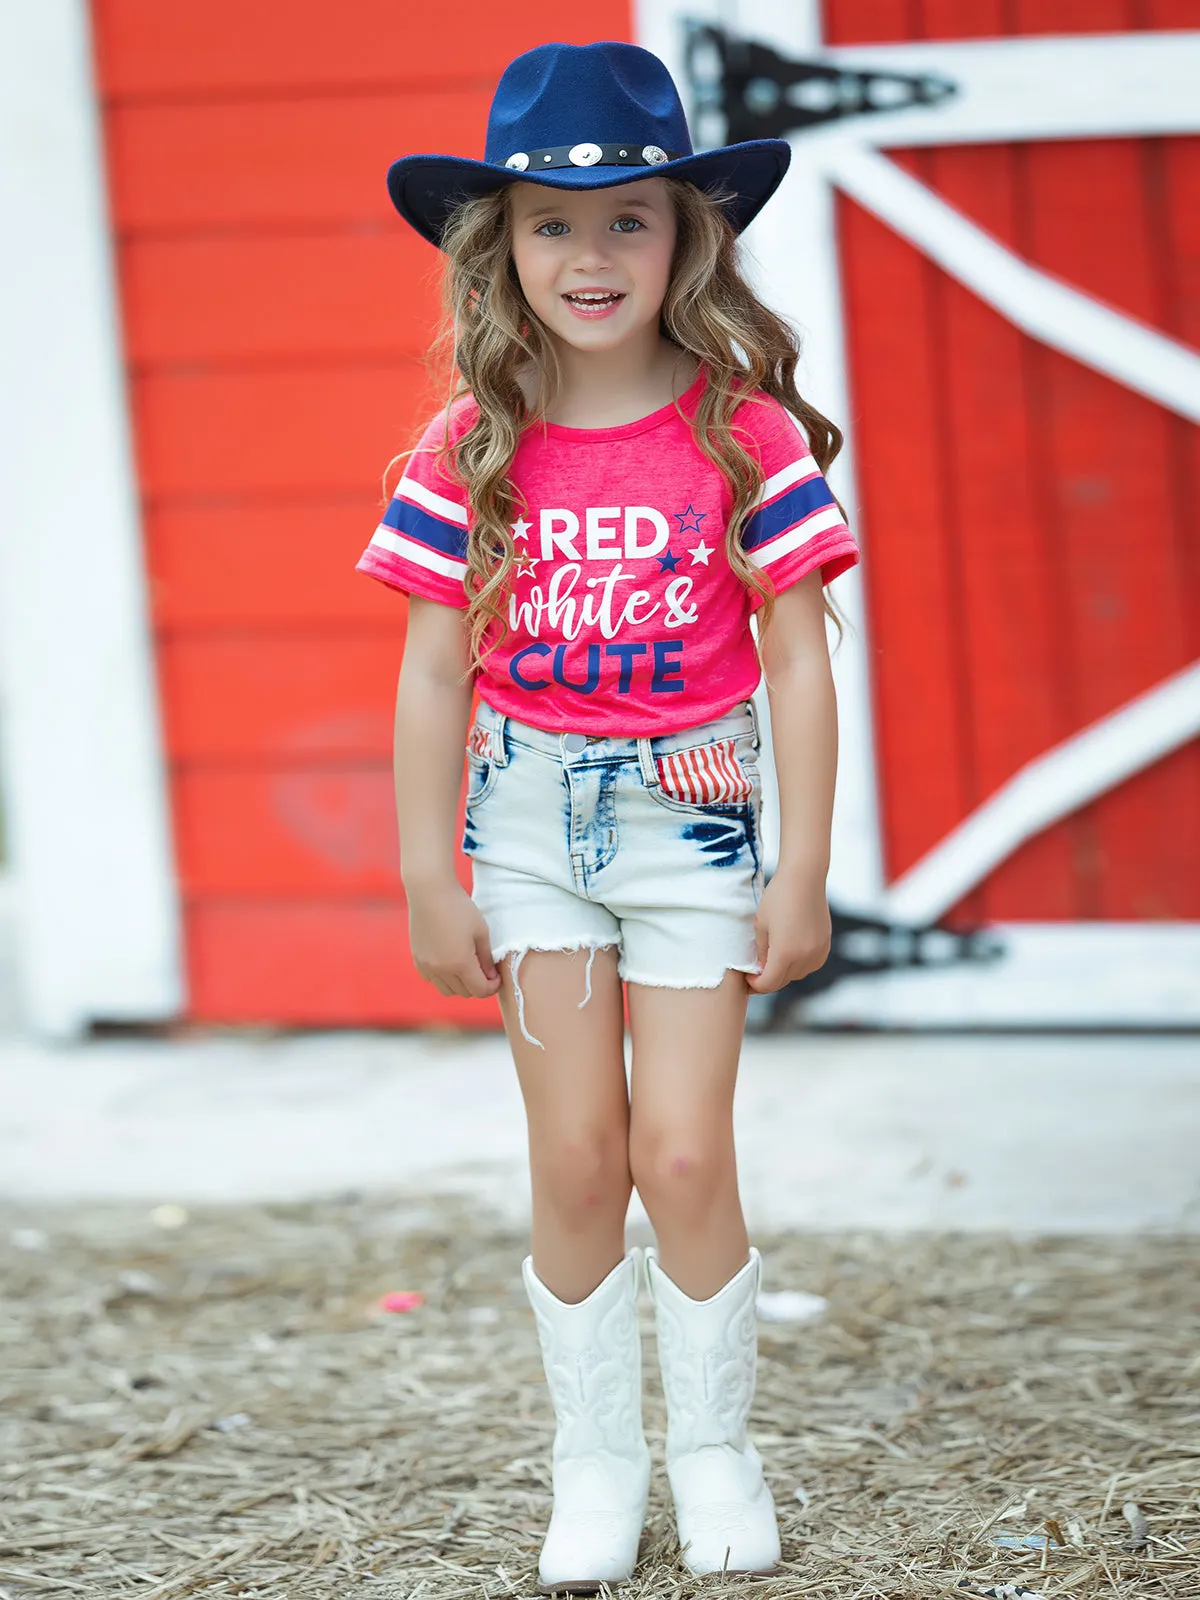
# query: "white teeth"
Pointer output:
{"type": "Point", "coordinates": [594, 299]}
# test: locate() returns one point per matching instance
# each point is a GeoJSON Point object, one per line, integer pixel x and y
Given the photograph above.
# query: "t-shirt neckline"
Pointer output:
{"type": "Point", "coordinates": [626, 430]}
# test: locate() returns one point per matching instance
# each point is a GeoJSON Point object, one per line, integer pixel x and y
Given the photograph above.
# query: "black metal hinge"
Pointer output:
{"type": "Point", "coordinates": [760, 94]}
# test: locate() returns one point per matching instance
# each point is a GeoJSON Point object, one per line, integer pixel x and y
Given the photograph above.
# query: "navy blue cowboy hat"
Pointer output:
{"type": "Point", "coordinates": [585, 117]}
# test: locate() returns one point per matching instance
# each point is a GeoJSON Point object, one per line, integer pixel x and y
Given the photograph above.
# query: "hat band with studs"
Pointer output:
{"type": "Point", "coordinates": [590, 155]}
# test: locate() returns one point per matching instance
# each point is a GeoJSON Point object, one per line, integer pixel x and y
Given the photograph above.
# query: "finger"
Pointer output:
{"type": "Point", "coordinates": [480, 986]}
{"type": "Point", "coordinates": [483, 955]}
{"type": "Point", "coordinates": [449, 984]}
{"type": "Point", "coordinates": [773, 976]}
{"type": "Point", "coordinates": [761, 941]}
{"type": "Point", "coordinates": [802, 966]}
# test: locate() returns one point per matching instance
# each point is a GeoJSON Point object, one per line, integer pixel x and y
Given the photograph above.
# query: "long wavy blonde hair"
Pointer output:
{"type": "Point", "coordinates": [493, 338]}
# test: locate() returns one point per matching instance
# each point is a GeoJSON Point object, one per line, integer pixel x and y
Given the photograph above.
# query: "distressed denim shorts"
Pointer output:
{"type": "Point", "coordinates": [651, 845]}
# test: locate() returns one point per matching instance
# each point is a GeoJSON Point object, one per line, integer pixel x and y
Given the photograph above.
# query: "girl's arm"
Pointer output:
{"type": "Point", "coordinates": [793, 924]}
{"type": "Point", "coordinates": [449, 938]}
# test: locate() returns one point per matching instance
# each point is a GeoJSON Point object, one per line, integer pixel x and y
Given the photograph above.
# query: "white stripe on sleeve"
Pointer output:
{"type": "Point", "coordinates": [448, 510]}
{"type": "Point", "coordinates": [796, 472]}
{"type": "Point", "coordinates": [419, 554]}
{"type": "Point", "coordinates": [784, 543]}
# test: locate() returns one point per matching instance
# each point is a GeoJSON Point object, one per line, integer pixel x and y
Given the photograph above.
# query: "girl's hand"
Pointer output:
{"type": "Point", "coordinates": [450, 942]}
{"type": "Point", "coordinates": [793, 931]}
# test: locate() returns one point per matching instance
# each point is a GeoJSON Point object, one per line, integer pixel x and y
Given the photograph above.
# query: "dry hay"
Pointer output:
{"type": "Point", "coordinates": [220, 1409]}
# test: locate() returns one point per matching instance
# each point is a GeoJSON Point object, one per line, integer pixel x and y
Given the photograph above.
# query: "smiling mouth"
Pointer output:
{"type": "Point", "coordinates": [594, 300]}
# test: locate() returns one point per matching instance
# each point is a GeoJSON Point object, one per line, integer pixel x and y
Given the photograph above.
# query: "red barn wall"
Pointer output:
{"type": "Point", "coordinates": [277, 316]}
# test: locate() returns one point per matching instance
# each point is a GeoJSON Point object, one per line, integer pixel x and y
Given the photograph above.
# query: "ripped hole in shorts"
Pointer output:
{"type": "Point", "coordinates": [514, 969]}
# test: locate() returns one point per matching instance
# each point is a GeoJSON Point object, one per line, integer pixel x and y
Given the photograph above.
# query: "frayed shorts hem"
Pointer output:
{"type": "Point", "coordinates": [520, 948]}
{"type": "Point", "coordinates": [524, 947]}
{"type": "Point", "coordinates": [648, 982]}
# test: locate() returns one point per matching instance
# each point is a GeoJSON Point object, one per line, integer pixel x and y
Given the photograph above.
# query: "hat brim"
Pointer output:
{"type": "Point", "coordinates": [425, 189]}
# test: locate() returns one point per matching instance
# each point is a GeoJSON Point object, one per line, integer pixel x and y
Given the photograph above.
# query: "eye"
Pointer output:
{"type": "Point", "coordinates": [627, 224]}
{"type": "Point", "coordinates": [552, 230]}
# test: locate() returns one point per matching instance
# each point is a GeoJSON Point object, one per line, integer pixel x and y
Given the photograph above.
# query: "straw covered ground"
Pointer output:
{"type": "Point", "coordinates": [214, 1405]}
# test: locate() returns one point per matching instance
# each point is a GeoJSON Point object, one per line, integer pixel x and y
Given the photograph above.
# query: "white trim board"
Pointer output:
{"type": "Point", "coordinates": [93, 876]}
{"type": "Point", "coordinates": [1052, 974]}
{"type": "Point", "coordinates": [1081, 86]}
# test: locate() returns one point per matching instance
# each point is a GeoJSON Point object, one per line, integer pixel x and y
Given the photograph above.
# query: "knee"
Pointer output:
{"type": "Point", "coordinates": [582, 1175]}
{"type": "Point", "coordinates": [679, 1174]}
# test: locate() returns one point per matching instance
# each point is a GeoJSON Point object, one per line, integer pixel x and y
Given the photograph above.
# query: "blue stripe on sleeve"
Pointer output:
{"type": "Point", "coordinates": [790, 508]}
{"type": "Point", "coordinates": [448, 537]}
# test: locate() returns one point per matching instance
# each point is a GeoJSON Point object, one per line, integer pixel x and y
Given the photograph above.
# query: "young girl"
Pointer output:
{"type": "Point", "coordinates": [622, 479]}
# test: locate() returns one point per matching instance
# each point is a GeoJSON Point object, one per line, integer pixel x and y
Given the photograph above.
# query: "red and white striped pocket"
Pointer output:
{"type": "Point", "coordinates": [709, 775]}
{"type": "Point", "coordinates": [479, 742]}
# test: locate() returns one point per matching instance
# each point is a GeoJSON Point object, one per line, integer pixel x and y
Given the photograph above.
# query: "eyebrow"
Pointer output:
{"type": "Point", "coordinates": [552, 209]}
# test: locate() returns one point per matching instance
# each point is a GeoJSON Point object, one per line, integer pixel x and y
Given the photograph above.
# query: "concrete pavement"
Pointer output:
{"type": "Point", "coordinates": [1030, 1133]}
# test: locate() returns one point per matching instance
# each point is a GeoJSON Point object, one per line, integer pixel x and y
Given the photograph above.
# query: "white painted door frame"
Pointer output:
{"type": "Point", "coordinates": [90, 861]}
{"type": "Point", "coordinates": [1038, 88]}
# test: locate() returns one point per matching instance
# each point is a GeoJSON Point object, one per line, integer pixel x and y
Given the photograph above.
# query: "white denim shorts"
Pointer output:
{"type": "Point", "coordinates": [650, 845]}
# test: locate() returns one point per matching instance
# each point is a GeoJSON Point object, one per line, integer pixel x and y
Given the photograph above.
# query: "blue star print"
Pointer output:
{"type": "Point", "coordinates": [689, 520]}
{"type": "Point", "coordinates": [669, 562]}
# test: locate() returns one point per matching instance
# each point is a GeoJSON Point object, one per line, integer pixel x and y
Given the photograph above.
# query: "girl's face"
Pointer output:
{"type": "Point", "coordinates": [594, 264]}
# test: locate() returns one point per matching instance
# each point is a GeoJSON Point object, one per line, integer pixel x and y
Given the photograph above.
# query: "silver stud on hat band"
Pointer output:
{"type": "Point", "coordinates": [589, 154]}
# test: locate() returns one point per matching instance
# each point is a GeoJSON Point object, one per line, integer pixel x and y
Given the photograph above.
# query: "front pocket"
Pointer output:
{"type": "Point", "coordinates": [709, 775]}
{"type": "Point", "coordinates": [481, 765]}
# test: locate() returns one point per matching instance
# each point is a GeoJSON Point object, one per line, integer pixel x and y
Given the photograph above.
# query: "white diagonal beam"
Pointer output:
{"type": "Point", "coordinates": [1064, 318]}
{"type": "Point", "coordinates": [1047, 789]}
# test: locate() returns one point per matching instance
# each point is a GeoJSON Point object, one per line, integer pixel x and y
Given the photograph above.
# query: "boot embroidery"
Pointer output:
{"type": "Point", "coordinates": [594, 1399]}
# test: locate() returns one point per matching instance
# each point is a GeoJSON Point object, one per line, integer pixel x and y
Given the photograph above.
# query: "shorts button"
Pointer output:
{"type": "Point", "coordinates": [573, 743]}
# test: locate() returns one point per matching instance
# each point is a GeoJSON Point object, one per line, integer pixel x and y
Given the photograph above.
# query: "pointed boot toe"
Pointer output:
{"type": "Point", "coordinates": [724, 1512]}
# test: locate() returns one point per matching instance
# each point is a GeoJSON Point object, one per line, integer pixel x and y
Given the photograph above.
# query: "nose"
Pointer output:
{"type": "Point", "coordinates": [592, 250]}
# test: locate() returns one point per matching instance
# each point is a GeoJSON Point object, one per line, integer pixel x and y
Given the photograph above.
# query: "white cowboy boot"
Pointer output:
{"type": "Point", "coordinates": [708, 1352]}
{"type": "Point", "coordinates": [593, 1359]}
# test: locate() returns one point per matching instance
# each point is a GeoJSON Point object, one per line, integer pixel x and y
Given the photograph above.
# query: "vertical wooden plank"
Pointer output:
{"type": "Point", "coordinates": [1006, 612]}
{"type": "Point", "coordinates": [866, 21]}
{"type": "Point", "coordinates": [909, 599]}
{"type": "Point", "coordinates": [1174, 183]}
{"type": "Point", "coordinates": [1068, 16]}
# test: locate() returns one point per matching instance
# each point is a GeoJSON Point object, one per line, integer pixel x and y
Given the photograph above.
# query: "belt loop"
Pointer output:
{"type": "Point", "coordinates": [499, 744]}
{"type": "Point", "coordinates": [648, 764]}
{"type": "Point", "coordinates": [753, 710]}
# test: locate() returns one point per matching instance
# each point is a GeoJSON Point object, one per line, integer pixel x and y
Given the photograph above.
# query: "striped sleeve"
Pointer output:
{"type": "Point", "coordinates": [794, 525]}
{"type": "Point", "coordinates": [421, 544]}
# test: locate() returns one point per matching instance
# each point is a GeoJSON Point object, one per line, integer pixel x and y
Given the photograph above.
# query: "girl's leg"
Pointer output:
{"type": "Point", "coordinates": [581, 1284]}
{"type": "Point", "coordinates": [704, 1283]}
{"type": "Point", "coordinates": [577, 1110]}
{"type": "Point", "coordinates": [686, 1044]}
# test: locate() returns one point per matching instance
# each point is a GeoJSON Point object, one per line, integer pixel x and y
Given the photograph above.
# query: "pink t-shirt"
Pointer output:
{"type": "Point", "coordinates": [624, 616]}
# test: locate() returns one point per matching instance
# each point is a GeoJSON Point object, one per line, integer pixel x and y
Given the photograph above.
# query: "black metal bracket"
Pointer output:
{"type": "Point", "coordinates": [866, 946]}
{"type": "Point", "coordinates": [760, 94]}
